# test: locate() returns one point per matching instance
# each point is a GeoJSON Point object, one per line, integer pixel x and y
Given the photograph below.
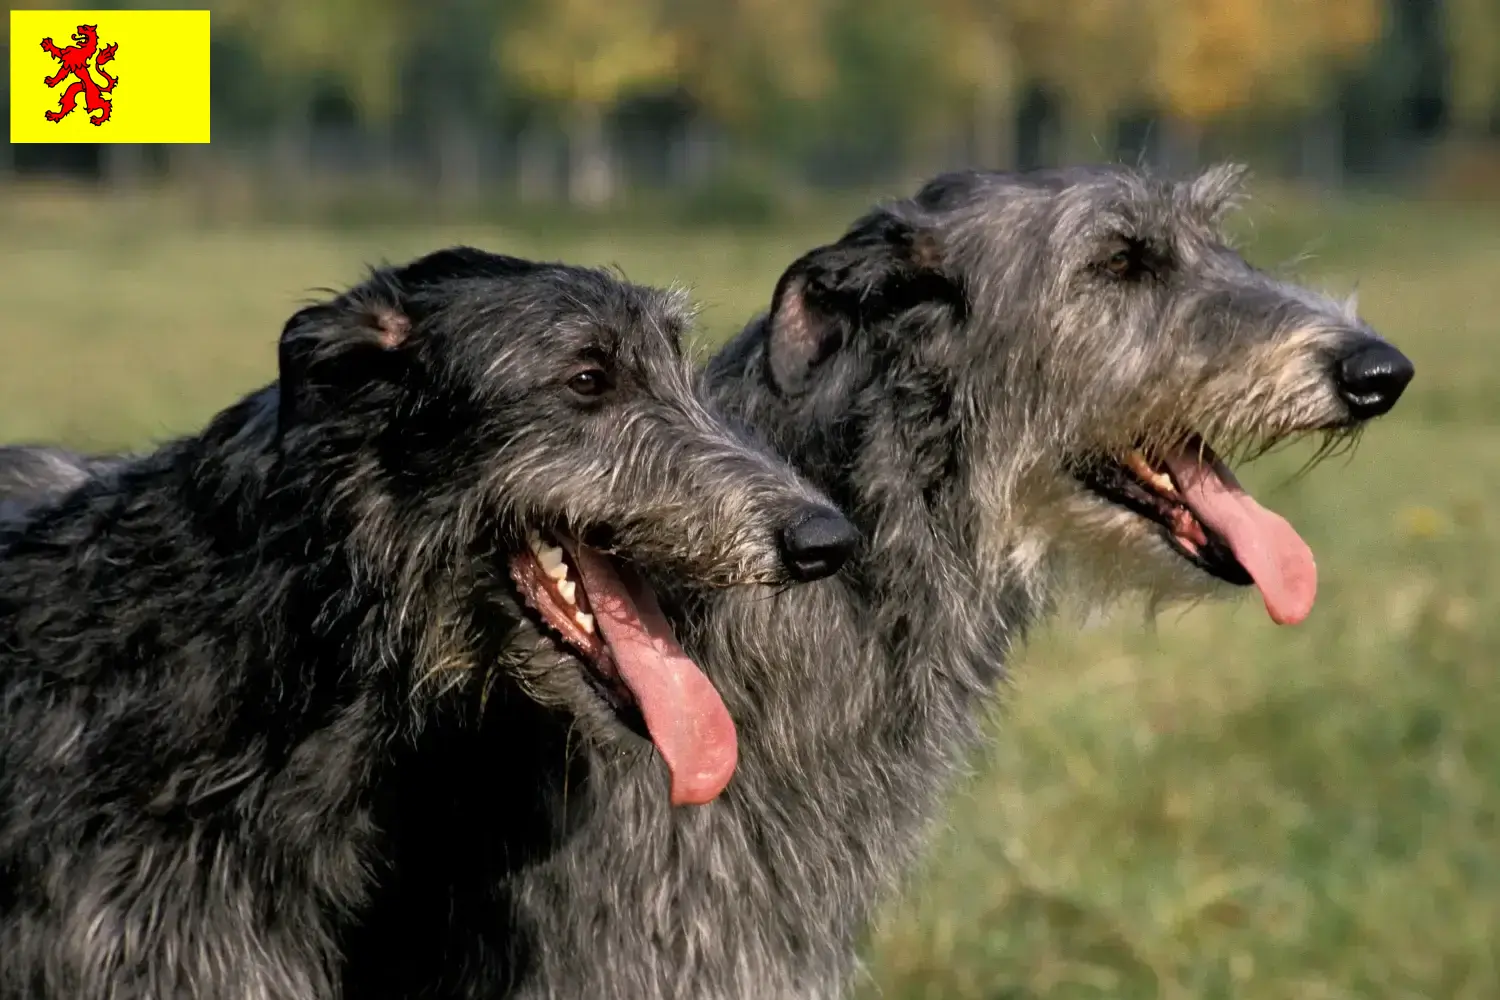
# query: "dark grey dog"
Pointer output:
{"type": "Point", "coordinates": [209, 654]}
{"type": "Point", "coordinates": [1011, 384]}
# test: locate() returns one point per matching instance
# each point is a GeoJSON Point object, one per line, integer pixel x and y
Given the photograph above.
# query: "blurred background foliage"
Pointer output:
{"type": "Point", "coordinates": [743, 107]}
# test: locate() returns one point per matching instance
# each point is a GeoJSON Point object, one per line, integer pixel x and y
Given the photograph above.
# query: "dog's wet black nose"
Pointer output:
{"type": "Point", "coordinates": [1372, 377]}
{"type": "Point", "coordinates": [818, 544]}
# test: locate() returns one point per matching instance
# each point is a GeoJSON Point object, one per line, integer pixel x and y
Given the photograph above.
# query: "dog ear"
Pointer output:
{"type": "Point", "coordinates": [801, 334]}
{"type": "Point", "coordinates": [1218, 191]}
{"type": "Point", "coordinates": [360, 342]}
{"type": "Point", "coordinates": [334, 350]}
{"type": "Point", "coordinates": [882, 267]}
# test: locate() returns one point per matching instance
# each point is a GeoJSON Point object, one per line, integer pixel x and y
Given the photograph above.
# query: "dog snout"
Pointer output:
{"type": "Point", "coordinates": [1371, 377]}
{"type": "Point", "coordinates": [817, 544]}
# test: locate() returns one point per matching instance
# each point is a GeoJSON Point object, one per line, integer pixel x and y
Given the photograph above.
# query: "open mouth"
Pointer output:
{"type": "Point", "coordinates": [1209, 519]}
{"type": "Point", "coordinates": [606, 615]}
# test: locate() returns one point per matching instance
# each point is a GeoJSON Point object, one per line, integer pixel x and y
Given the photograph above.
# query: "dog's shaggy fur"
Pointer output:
{"type": "Point", "coordinates": [32, 474]}
{"type": "Point", "coordinates": [209, 655]}
{"type": "Point", "coordinates": [956, 371]}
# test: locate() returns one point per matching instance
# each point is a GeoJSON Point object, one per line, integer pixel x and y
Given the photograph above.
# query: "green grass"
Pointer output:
{"type": "Point", "coordinates": [1206, 807]}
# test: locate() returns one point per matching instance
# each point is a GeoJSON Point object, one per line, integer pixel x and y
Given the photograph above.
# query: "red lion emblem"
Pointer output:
{"type": "Point", "coordinates": [75, 62]}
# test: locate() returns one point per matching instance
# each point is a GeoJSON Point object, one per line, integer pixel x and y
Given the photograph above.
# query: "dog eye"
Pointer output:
{"type": "Point", "coordinates": [591, 382]}
{"type": "Point", "coordinates": [1121, 264]}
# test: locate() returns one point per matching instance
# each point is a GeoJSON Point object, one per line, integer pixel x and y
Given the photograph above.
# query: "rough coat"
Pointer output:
{"type": "Point", "coordinates": [941, 370]}
{"type": "Point", "coordinates": [213, 653]}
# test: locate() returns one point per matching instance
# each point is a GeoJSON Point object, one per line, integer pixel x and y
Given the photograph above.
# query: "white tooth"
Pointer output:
{"type": "Point", "coordinates": [550, 557]}
{"type": "Point", "coordinates": [566, 588]}
{"type": "Point", "coordinates": [1162, 481]}
{"type": "Point", "coordinates": [586, 621]}
{"type": "Point", "coordinates": [558, 572]}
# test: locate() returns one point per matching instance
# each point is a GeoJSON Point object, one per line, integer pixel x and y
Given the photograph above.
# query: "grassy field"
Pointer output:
{"type": "Point", "coordinates": [1203, 806]}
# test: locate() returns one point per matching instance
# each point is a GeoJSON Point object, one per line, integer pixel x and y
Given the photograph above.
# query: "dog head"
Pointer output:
{"type": "Point", "coordinates": [540, 420]}
{"type": "Point", "coordinates": [1071, 357]}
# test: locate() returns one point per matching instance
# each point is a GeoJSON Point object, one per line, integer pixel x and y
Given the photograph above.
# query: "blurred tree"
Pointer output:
{"type": "Point", "coordinates": [1474, 45]}
{"type": "Point", "coordinates": [1091, 55]}
{"type": "Point", "coordinates": [585, 55]}
{"type": "Point", "coordinates": [1209, 54]}
{"type": "Point", "coordinates": [980, 60]}
{"type": "Point", "coordinates": [1215, 58]}
{"type": "Point", "coordinates": [739, 61]}
{"type": "Point", "coordinates": [891, 95]}
{"type": "Point", "coordinates": [357, 43]}
{"type": "Point", "coordinates": [451, 95]}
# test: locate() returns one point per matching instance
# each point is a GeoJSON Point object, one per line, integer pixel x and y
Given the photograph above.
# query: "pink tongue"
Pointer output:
{"type": "Point", "coordinates": [686, 717]}
{"type": "Point", "coordinates": [1267, 546]}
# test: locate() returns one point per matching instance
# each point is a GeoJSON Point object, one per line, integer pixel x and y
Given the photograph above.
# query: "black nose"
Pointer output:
{"type": "Point", "coordinates": [818, 544]}
{"type": "Point", "coordinates": [1372, 378]}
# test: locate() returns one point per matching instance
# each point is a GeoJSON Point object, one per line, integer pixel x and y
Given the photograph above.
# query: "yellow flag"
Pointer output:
{"type": "Point", "coordinates": [109, 75]}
